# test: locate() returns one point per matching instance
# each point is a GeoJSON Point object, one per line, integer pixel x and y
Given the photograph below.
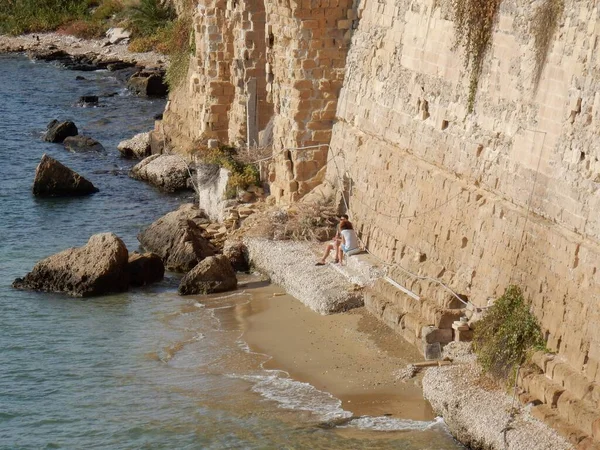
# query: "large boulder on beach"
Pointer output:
{"type": "Point", "coordinates": [149, 83]}
{"type": "Point", "coordinates": [178, 239]}
{"type": "Point", "coordinates": [58, 131]}
{"type": "Point", "coordinates": [81, 143]}
{"type": "Point", "coordinates": [138, 147]}
{"type": "Point", "coordinates": [213, 274]}
{"type": "Point", "coordinates": [97, 268]}
{"type": "Point", "coordinates": [53, 179]}
{"type": "Point", "coordinates": [167, 172]}
{"type": "Point", "coordinates": [145, 268]}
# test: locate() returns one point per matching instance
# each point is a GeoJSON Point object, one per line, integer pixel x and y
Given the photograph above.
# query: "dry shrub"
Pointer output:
{"type": "Point", "coordinates": [301, 222]}
{"type": "Point", "coordinates": [84, 29]}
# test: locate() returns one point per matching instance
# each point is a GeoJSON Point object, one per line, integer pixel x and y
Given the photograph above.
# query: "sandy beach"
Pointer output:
{"type": "Point", "coordinates": [350, 355]}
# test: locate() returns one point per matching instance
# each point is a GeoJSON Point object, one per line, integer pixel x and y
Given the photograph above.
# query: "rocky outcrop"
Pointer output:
{"type": "Point", "coordinates": [213, 274]}
{"type": "Point", "coordinates": [236, 252]}
{"type": "Point", "coordinates": [53, 179]}
{"type": "Point", "coordinates": [481, 417]}
{"type": "Point", "coordinates": [149, 83]}
{"type": "Point", "coordinates": [97, 268]}
{"type": "Point", "coordinates": [145, 269]}
{"type": "Point", "coordinates": [178, 239]}
{"type": "Point", "coordinates": [58, 131]}
{"type": "Point", "coordinates": [167, 172]}
{"type": "Point", "coordinates": [138, 147]}
{"type": "Point", "coordinates": [82, 144]}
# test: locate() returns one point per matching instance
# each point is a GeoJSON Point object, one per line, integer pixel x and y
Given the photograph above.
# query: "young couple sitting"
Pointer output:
{"type": "Point", "coordinates": [344, 242]}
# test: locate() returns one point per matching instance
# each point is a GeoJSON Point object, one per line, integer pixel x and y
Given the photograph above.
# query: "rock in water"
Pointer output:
{"type": "Point", "coordinates": [148, 83]}
{"type": "Point", "coordinates": [137, 147]}
{"type": "Point", "coordinates": [54, 179]}
{"type": "Point", "coordinates": [82, 144]}
{"type": "Point", "coordinates": [97, 268]}
{"type": "Point", "coordinates": [213, 274]}
{"type": "Point", "coordinates": [168, 172]}
{"type": "Point", "coordinates": [177, 239]}
{"type": "Point", "coordinates": [58, 131]}
{"type": "Point", "coordinates": [145, 269]}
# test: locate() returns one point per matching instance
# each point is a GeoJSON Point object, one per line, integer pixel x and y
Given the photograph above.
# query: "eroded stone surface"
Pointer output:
{"type": "Point", "coordinates": [212, 274]}
{"type": "Point", "coordinates": [97, 268]}
{"type": "Point", "coordinates": [55, 179]}
{"type": "Point", "coordinates": [177, 238]}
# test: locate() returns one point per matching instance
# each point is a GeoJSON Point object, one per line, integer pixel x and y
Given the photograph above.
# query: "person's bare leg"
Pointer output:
{"type": "Point", "coordinates": [328, 249]}
{"type": "Point", "coordinates": [337, 244]}
{"type": "Point", "coordinates": [339, 254]}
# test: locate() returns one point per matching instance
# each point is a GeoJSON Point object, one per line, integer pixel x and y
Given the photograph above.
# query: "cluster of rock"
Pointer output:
{"type": "Point", "coordinates": [183, 240]}
{"type": "Point", "coordinates": [102, 266]}
{"type": "Point", "coordinates": [83, 62]}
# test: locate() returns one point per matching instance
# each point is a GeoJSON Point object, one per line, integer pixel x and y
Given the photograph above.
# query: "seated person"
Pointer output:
{"type": "Point", "coordinates": [335, 243]}
{"type": "Point", "coordinates": [349, 243]}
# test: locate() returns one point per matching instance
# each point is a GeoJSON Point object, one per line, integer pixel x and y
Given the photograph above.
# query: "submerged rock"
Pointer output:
{"type": "Point", "coordinates": [54, 179]}
{"type": "Point", "coordinates": [88, 100]}
{"type": "Point", "coordinates": [82, 144]}
{"type": "Point", "coordinates": [168, 172]}
{"type": "Point", "coordinates": [177, 239]}
{"type": "Point", "coordinates": [137, 147]}
{"type": "Point", "coordinates": [213, 274]}
{"type": "Point", "coordinates": [97, 268]}
{"type": "Point", "coordinates": [145, 269]}
{"type": "Point", "coordinates": [58, 131]}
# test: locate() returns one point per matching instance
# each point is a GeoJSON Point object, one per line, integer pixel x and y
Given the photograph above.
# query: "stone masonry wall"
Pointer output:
{"type": "Point", "coordinates": [507, 194]}
{"type": "Point", "coordinates": [230, 52]}
{"type": "Point", "coordinates": [307, 46]}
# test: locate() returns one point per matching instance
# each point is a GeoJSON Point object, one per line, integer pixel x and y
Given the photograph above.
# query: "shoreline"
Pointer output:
{"type": "Point", "coordinates": [77, 46]}
{"type": "Point", "coordinates": [349, 355]}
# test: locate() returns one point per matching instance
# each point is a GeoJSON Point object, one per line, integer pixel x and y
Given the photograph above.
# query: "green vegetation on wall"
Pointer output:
{"type": "Point", "coordinates": [505, 336]}
{"type": "Point", "coordinates": [242, 174]}
{"type": "Point", "coordinates": [544, 24]}
{"type": "Point", "coordinates": [473, 25]}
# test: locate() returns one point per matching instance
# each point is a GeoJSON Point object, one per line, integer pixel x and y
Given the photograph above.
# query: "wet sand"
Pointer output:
{"type": "Point", "coordinates": [350, 355]}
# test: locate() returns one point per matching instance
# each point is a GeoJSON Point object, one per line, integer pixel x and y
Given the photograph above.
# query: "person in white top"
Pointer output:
{"type": "Point", "coordinates": [349, 239]}
{"type": "Point", "coordinates": [334, 244]}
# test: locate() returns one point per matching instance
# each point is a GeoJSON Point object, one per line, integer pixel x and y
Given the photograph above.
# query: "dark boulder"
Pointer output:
{"type": "Point", "coordinates": [58, 131]}
{"type": "Point", "coordinates": [237, 253]}
{"type": "Point", "coordinates": [88, 100]}
{"type": "Point", "coordinates": [145, 269]}
{"type": "Point", "coordinates": [97, 268]}
{"type": "Point", "coordinates": [54, 179]}
{"type": "Point", "coordinates": [178, 239]}
{"type": "Point", "coordinates": [148, 83]}
{"type": "Point", "coordinates": [82, 144]}
{"type": "Point", "coordinates": [213, 274]}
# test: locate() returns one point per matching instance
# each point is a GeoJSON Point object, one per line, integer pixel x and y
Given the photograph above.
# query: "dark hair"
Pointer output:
{"type": "Point", "coordinates": [345, 225]}
{"type": "Point", "coordinates": [344, 217]}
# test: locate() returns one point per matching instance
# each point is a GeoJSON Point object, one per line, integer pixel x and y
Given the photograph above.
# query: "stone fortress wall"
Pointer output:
{"type": "Point", "coordinates": [507, 194]}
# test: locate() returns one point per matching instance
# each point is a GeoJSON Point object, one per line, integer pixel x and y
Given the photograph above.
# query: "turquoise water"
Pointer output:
{"type": "Point", "coordinates": [146, 369]}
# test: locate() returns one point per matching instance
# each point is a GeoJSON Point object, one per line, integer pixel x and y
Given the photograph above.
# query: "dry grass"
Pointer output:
{"type": "Point", "coordinates": [544, 25]}
{"type": "Point", "coordinates": [302, 222]}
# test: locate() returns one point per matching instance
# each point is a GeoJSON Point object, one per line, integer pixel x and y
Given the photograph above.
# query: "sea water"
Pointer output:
{"type": "Point", "coordinates": [145, 369]}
